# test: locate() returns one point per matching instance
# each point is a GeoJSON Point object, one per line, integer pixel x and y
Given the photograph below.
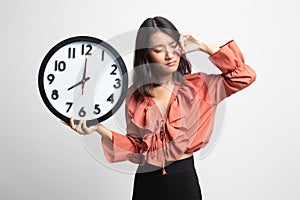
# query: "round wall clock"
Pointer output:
{"type": "Point", "coordinates": [83, 77]}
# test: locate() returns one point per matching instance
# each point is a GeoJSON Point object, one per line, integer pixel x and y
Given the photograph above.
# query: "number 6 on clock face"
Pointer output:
{"type": "Point", "coordinates": [83, 77]}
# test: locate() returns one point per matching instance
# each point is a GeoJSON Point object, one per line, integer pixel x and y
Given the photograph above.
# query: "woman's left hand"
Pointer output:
{"type": "Point", "coordinates": [190, 42]}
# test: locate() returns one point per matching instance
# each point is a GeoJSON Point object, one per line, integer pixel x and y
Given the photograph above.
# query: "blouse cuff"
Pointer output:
{"type": "Point", "coordinates": [228, 58]}
{"type": "Point", "coordinates": [115, 152]}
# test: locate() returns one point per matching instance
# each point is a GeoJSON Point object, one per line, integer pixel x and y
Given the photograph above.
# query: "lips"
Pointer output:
{"type": "Point", "coordinates": [171, 64]}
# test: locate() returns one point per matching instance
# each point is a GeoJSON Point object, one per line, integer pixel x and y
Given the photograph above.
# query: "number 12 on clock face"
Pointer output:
{"type": "Point", "coordinates": [83, 77]}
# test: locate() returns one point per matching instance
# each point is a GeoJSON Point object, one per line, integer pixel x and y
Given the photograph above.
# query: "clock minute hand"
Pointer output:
{"type": "Point", "coordinates": [83, 77]}
{"type": "Point", "coordinates": [79, 83]}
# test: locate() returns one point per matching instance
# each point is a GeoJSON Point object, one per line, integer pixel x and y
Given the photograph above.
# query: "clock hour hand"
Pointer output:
{"type": "Point", "coordinates": [79, 83]}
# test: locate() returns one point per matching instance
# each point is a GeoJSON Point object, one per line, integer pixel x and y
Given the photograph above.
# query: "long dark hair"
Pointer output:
{"type": "Point", "coordinates": [143, 77]}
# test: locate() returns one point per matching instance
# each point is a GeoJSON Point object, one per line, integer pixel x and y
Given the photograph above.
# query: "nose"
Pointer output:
{"type": "Point", "coordinates": [170, 53]}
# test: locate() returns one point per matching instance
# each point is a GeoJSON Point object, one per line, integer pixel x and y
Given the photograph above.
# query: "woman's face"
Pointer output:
{"type": "Point", "coordinates": [163, 51]}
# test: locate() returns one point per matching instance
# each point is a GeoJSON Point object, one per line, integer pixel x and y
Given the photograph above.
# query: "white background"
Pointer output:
{"type": "Point", "coordinates": [257, 156]}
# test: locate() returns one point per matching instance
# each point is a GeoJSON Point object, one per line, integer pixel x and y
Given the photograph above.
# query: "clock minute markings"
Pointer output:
{"type": "Point", "coordinates": [102, 56]}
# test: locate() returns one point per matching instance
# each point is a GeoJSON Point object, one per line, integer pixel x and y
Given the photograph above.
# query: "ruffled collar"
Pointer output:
{"type": "Point", "coordinates": [146, 115]}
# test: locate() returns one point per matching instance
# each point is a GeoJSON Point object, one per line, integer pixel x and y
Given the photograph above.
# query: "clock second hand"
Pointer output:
{"type": "Point", "coordinates": [79, 83]}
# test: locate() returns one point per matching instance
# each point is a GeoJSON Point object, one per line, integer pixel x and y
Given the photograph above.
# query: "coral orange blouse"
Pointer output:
{"type": "Point", "coordinates": [189, 120]}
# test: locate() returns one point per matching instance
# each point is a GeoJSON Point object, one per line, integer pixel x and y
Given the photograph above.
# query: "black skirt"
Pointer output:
{"type": "Point", "coordinates": [180, 182]}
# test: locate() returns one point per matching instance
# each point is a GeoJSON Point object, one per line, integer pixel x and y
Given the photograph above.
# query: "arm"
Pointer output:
{"type": "Point", "coordinates": [104, 132]}
{"type": "Point", "coordinates": [121, 147]}
{"type": "Point", "coordinates": [236, 74]}
{"type": "Point", "coordinates": [117, 147]}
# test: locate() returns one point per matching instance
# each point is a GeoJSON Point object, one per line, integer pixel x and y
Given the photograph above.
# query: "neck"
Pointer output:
{"type": "Point", "coordinates": [165, 80]}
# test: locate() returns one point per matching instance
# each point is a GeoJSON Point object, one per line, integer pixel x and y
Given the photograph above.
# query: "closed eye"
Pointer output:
{"type": "Point", "coordinates": [158, 50]}
{"type": "Point", "coordinates": [174, 44]}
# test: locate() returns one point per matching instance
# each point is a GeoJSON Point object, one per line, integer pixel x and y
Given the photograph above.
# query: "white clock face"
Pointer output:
{"type": "Point", "coordinates": [83, 78]}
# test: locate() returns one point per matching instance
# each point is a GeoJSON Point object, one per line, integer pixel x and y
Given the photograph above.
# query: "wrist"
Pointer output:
{"type": "Point", "coordinates": [104, 132]}
{"type": "Point", "coordinates": [210, 48]}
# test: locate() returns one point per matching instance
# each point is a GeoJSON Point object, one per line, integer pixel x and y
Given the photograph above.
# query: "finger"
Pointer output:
{"type": "Point", "coordinates": [191, 36]}
{"type": "Point", "coordinates": [180, 51]}
{"type": "Point", "coordinates": [80, 123]}
{"type": "Point", "coordinates": [66, 124]}
{"type": "Point", "coordinates": [79, 128]}
{"type": "Point", "coordinates": [85, 128]}
{"type": "Point", "coordinates": [195, 38]}
{"type": "Point", "coordinates": [182, 39]}
{"type": "Point", "coordinates": [182, 44]}
{"type": "Point", "coordinates": [63, 122]}
{"type": "Point", "coordinates": [72, 123]}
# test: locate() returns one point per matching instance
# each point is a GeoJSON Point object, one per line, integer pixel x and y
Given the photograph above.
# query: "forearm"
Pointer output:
{"type": "Point", "coordinates": [104, 132]}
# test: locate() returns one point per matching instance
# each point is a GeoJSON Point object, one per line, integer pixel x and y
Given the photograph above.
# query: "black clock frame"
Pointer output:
{"type": "Point", "coordinates": [97, 41]}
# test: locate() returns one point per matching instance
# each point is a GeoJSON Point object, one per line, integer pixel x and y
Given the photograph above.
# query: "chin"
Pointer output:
{"type": "Point", "coordinates": [169, 70]}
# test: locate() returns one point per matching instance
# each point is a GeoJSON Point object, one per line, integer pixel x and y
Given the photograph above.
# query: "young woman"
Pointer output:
{"type": "Point", "coordinates": [169, 111]}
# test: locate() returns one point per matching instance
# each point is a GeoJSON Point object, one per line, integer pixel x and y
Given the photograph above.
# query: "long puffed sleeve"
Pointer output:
{"type": "Point", "coordinates": [236, 74]}
{"type": "Point", "coordinates": [121, 148]}
{"type": "Point", "coordinates": [139, 117]}
{"type": "Point", "coordinates": [128, 146]}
